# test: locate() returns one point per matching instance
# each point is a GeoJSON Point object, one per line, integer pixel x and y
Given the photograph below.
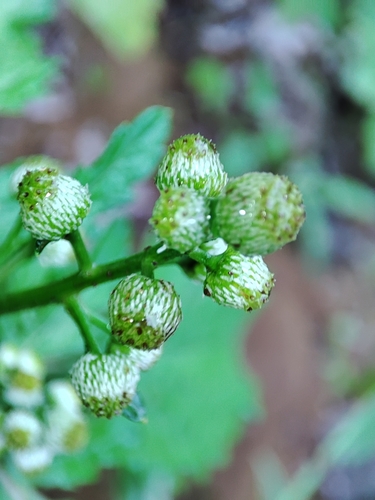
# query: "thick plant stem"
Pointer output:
{"type": "Point", "coordinates": [80, 250]}
{"type": "Point", "coordinates": [74, 310]}
{"type": "Point", "coordinates": [57, 291]}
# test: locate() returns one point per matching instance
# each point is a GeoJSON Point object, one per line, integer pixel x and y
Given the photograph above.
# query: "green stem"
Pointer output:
{"type": "Point", "coordinates": [80, 250]}
{"type": "Point", "coordinates": [74, 310]}
{"type": "Point", "coordinates": [57, 291]}
{"type": "Point", "coordinates": [205, 258]}
{"type": "Point", "coordinates": [98, 322]}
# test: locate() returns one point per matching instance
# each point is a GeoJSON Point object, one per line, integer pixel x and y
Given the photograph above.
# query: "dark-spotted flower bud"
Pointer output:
{"type": "Point", "coordinates": [52, 205]}
{"type": "Point", "coordinates": [192, 161]}
{"type": "Point", "coordinates": [239, 281]}
{"type": "Point", "coordinates": [181, 218]}
{"type": "Point", "coordinates": [144, 312]}
{"type": "Point", "coordinates": [259, 213]}
{"type": "Point", "coordinates": [105, 383]}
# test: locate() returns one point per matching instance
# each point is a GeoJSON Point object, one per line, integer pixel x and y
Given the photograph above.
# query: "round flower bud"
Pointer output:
{"type": "Point", "coordinates": [33, 460]}
{"type": "Point", "coordinates": [105, 383]}
{"type": "Point", "coordinates": [144, 312]}
{"type": "Point", "coordinates": [145, 359]}
{"type": "Point", "coordinates": [21, 429]}
{"type": "Point", "coordinates": [259, 213]}
{"type": "Point", "coordinates": [240, 282]}
{"type": "Point", "coordinates": [181, 218]}
{"type": "Point", "coordinates": [52, 205]}
{"type": "Point", "coordinates": [192, 161]}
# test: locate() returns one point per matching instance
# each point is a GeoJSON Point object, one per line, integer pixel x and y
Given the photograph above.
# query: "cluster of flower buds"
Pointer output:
{"type": "Point", "coordinates": [143, 313]}
{"type": "Point", "coordinates": [225, 226]}
{"type": "Point", "coordinates": [38, 420]}
{"type": "Point", "coordinates": [52, 205]}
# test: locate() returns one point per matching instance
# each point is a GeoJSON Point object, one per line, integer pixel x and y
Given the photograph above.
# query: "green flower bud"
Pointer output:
{"type": "Point", "coordinates": [105, 383]}
{"type": "Point", "coordinates": [259, 213]}
{"type": "Point", "coordinates": [52, 205]}
{"type": "Point", "coordinates": [181, 218]}
{"type": "Point", "coordinates": [192, 161]}
{"type": "Point", "coordinates": [145, 359]}
{"type": "Point", "coordinates": [33, 460]}
{"type": "Point", "coordinates": [21, 430]}
{"type": "Point", "coordinates": [240, 282]}
{"type": "Point", "coordinates": [144, 312]}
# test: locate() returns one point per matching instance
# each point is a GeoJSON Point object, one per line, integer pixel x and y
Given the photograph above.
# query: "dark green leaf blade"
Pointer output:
{"type": "Point", "coordinates": [133, 151]}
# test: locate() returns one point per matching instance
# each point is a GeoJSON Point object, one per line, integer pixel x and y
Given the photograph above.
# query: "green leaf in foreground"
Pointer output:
{"type": "Point", "coordinates": [132, 154]}
{"type": "Point", "coordinates": [198, 398]}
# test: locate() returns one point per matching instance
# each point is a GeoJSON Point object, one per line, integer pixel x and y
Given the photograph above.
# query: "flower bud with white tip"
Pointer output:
{"type": "Point", "coordinates": [105, 383]}
{"type": "Point", "coordinates": [239, 281]}
{"type": "Point", "coordinates": [21, 429]}
{"type": "Point", "coordinates": [192, 161]}
{"type": "Point", "coordinates": [259, 213]}
{"type": "Point", "coordinates": [52, 205]}
{"type": "Point", "coordinates": [181, 218]}
{"type": "Point", "coordinates": [144, 312]}
{"type": "Point", "coordinates": [145, 359]}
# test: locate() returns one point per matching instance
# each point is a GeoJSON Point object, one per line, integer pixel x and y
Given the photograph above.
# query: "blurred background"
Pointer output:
{"type": "Point", "coordinates": [279, 405]}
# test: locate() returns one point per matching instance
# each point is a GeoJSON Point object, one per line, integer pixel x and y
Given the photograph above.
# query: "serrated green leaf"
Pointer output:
{"type": "Point", "coordinates": [132, 154]}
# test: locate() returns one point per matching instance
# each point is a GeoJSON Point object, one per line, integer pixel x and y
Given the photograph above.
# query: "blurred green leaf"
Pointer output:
{"type": "Point", "coordinates": [352, 440]}
{"type": "Point", "coordinates": [327, 11]}
{"type": "Point", "coordinates": [212, 81]}
{"type": "Point", "coordinates": [132, 153]}
{"type": "Point", "coordinates": [358, 47]}
{"type": "Point", "coordinates": [25, 72]}
{"type": "Point", "coordinates": [127, 28]}
{"type": "Point", "coordinates": [242, 152]}
{"type": "Point", "coordinates": [368, 141]}
{"type": "Point", "coordinates": [349, 197]}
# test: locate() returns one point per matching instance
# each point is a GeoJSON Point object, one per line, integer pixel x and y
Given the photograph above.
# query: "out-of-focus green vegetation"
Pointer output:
{"type": "Point", "coordinates": [25, 71]}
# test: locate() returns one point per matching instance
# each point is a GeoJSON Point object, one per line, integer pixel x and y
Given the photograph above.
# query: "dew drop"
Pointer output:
{"type": "Point", "coordinates": [242, 212]}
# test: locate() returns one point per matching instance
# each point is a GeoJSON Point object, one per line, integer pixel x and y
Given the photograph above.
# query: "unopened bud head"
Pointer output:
{"type": "Point", "coordinates": [105, 383]}
{"type": "Point", "coordinates": [239, 281]}
{"type": "Point", "coordinates": [181, 218]}
{"type": "Point", "coordinates": [52, 205]}
{"type": "Point", "coordinates": [259, 213]}
{"type": "Point", "coordinates": [192, 161]}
